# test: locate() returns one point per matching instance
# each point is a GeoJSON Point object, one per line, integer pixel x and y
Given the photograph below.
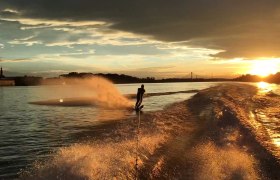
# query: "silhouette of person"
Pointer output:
{"type": "Point", "coordinates": [140, 94]}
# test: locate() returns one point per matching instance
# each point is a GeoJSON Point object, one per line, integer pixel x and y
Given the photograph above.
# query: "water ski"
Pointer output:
{"type": "Point", "coordinates": [139, 108]}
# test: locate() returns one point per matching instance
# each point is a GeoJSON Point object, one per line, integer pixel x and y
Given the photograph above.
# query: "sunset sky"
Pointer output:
{"type": "Point", "coordinates": [160, 38]}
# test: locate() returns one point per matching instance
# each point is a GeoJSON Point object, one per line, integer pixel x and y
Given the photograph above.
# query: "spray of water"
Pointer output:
{"type": "Point", "coordinates": [94, 160]}
{"type": "Point", "coordinates": [213, 162]}
{"type": "Point", "coordinates": [95, 91]}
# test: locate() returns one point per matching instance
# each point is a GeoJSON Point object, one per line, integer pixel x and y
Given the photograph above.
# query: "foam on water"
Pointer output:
{"type": "Point", "coordinates": [94, 160]}
{"type": "Point", "coordinates": [265, 117]}
{"type": "Point", "coordinates": [214, 162]}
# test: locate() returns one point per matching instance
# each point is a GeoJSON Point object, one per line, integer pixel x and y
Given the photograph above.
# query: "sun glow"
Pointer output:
{"type": "Point", "coordinates": [265, 87]}
{"type": "Point", "coordinates": [264, 68]}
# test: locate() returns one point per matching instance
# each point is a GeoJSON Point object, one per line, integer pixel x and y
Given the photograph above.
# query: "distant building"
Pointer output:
{"type": "Point", "coordinates": [27, 81]}
{"type": "Point", "coordinates": [5, 81]}
{"type": "Point", "coordinates": [1, 74]}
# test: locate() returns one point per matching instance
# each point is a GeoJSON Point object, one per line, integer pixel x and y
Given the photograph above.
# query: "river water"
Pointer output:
{"type": "Point", "coordinates": [31, 132]}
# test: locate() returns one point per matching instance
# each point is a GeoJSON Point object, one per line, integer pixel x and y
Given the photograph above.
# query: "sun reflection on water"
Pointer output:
{"type": "Point", "coordinates": [265, 87]}
{"type": "Point", "coordinates": [276, 141]}
{"type": "Point", "coordinates": [266, 119]}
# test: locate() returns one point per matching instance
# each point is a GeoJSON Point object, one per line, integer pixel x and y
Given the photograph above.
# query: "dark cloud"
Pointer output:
{"type": "Point", "coordinates": [242, 28]}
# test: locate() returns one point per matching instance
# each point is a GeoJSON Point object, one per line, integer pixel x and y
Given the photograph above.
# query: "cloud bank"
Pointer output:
{"type": "Point", "coordinates": [239, 28]}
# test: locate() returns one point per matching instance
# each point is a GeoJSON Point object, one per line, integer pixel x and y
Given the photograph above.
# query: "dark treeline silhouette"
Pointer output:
{"type": "Point", "coordinates": [273, 78]}
{"type": "Point", "coordinates": [115, 78]}
{"type": "Point", "coordinates": [191, 80]}
{"type": "Point", "coordinates": [26, 80]}
{"type": "Point", "coordinates": [248, 78]}
{"type": "Point", "coordinates": [122, 78]}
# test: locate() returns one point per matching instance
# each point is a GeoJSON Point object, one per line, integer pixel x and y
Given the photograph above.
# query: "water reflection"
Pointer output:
{"type": "Point", "coordinates": [267, 115]}
{"type": "Point", "coordinates": [265, 87]}
{"type": "Point", "coordinates": [113, 114]}
{"type": "Point", "coordinates": [30, 131]}
{"type": "Point", "coordinates": [276, 141]}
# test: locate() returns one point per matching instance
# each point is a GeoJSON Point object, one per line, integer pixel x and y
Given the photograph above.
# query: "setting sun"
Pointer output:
{"type": "Point", "coordinates": [264, 68]}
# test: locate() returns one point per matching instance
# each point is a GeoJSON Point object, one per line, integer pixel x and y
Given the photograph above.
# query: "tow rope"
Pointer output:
{"type": "Point", "coordinates": [137, 146]}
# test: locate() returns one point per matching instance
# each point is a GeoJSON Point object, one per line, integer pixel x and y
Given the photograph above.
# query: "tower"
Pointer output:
{"type": "Point", "coordinates": [1, 73]}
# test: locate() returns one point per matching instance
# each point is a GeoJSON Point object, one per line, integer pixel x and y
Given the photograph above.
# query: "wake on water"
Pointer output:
{"type": "Point", "coordinates": [195, 139]}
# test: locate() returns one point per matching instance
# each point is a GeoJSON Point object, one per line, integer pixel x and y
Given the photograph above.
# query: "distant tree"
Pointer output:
{"type": "Point", "coordinates": [273, 78]}
{"type": "Point", "coordinates": [248, 78]}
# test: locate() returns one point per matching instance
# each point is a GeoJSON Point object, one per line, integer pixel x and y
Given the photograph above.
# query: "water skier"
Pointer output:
{"type": "Point", "coordinates": [140, 94]}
